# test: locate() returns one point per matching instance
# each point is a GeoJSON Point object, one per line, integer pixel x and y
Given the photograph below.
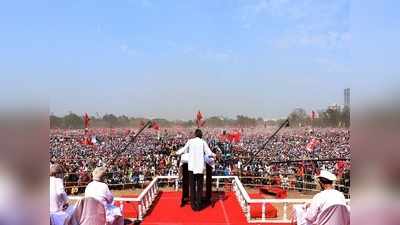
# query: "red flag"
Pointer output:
{"type": "Point", "coordinates": [86, 141]}
{"type": "Point", "coordinates": [199, 119]}
{"type": "Point", "coordinates": [155, 125]}
{"type": "Point", "coordinates": [236, 136]}
{"type": "Point", "coordinates": [86, 120]}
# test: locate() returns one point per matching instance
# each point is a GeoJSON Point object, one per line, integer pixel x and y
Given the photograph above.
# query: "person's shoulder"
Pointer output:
{"type": "Point", "coordinates": [318, 195]}
{"type": "Point", "coordinates": [195, 139]}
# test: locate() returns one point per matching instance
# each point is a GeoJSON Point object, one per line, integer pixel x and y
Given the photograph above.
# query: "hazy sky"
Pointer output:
{"type": "Point", "coordinates": [170, 58]}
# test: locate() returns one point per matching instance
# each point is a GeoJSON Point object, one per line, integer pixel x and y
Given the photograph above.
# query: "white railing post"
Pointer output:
{"type": "Point", "coordinates": [217, 184]}
{"type": "Point", "coordinates": [263, 212]}
{"type": "Point", "coordinates": [176, 184]}
{"type": "Point", "coordinates": [152, 193]}
{"type": "Point", "coordinates": [285, 211]}
{"type": "Point", "coordinates": [248, 212]}
{"type": "Point", "coordinates": [140, 217]}
{"type": "Point", "coordinates": [121, 205]}
{"type": "Point", "coordinates": [146, 197]}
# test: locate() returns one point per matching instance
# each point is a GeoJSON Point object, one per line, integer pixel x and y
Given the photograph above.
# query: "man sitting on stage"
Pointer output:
{"type": "Point", "coordinates": [99, 190]}
{"type": "Point", "coordinates": [59, 207]}
{"type": "Point", "coordinates": [327, 207]}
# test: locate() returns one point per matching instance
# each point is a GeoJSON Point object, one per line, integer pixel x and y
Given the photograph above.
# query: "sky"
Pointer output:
{"type": "Point", "coordinates": [168, 59]}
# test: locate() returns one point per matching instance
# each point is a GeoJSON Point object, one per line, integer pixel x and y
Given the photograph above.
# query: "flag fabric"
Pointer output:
{"type": "Point", "coordinates": [86, 120]}
{"type": "Point", "coordinates": [86, 141]}
{"type": "Point", "coordinates": [155, 125]}
{"type": "Point", "coordinates": [199, 119]}
{"type": "Point", "coordinates": [234, 136]}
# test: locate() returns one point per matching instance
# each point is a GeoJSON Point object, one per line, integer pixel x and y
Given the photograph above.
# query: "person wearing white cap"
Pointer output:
{"type": "Point", "coordinates": [320, 211]}
{"type": "Point", "coordinates": [99, 190]}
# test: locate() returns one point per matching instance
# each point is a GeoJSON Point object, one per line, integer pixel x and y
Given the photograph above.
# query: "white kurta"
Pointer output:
{"type": "Point", "coordinates": [319, 203]}
{"type": "Point", "coordinates": [58, 196]}
{"type": "Point", "coordinates": [184, 155]}
{"type": "Point", "coordinates": [102, 193]}
{"type": "Point", "coordinates": [196, 148]}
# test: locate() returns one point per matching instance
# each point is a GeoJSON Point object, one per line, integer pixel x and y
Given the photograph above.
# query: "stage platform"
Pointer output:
{"type": "Point", "coordinates": [166, 210]}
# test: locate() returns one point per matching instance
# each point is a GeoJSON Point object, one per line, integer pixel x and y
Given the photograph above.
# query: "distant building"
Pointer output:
{"type": "Point", "coordinates": [334, 107]}
{"type": "Point", "coordinates": [347, 97]}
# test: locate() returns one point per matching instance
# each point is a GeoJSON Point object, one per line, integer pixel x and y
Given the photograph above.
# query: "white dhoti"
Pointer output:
{"type": "Point", "coordinates": [59, 217]}
{"type": "Point", "coordinates": [300, 214]}
{"type": "Point", "coordinates": [113, 215]}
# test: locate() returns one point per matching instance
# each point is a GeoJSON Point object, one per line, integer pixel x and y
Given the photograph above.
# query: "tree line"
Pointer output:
{"type": "Point", "coordinates": [331, 117]}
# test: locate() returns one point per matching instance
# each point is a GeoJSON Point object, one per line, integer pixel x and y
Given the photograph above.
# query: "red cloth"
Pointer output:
{"type": "Point", "coordinates": [199, 119]}
{"type": "Point", "coordinates": [278, 192]}
{"type": "Point", "coordinates": [155, 125]}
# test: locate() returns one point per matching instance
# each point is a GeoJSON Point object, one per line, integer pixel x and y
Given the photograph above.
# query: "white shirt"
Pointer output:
{"type": "Point", "coordinates": [184, 155]}
{"type": "Point", "coordinates": [196, 148]}
{"type": "Point", "coordinates": [58, 196]}
{"type": "Point", "coordinates": [321, 202]}
{"type": "Point", "coordinates": [99, 191]}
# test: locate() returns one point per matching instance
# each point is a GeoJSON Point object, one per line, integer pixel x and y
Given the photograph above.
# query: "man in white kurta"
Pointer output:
{"type": "Point", "coordinates": [197, 148]}
{"type": "Point", "coordinates": [99, 190]}
{"type": "Point", "coordinates": [312, 213]}
{"type": "Point", "coordinates": [59, 207]}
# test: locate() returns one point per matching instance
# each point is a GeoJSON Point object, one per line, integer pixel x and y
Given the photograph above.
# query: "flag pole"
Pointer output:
{"type": "Point", "coordinates": [148, 124]}
{"type": "Point", "coordinates": [285, 123]}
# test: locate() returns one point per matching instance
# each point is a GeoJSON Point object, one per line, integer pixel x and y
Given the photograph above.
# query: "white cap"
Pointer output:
{"type": "Point", "coordinates": [327, 175]}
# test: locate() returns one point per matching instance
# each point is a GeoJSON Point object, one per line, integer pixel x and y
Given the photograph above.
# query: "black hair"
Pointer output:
{"type": "Point", "coordinates": [323, 180]}
{"type": "Point", "coordinates": [198, 133]}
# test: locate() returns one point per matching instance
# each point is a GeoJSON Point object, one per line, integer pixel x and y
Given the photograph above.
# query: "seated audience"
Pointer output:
{"type": "Point", "coordinates": [99, 190]}
{"type": "Point", "coordinates": [59, 207]}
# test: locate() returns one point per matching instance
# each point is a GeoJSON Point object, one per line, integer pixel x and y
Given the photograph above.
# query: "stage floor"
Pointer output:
{"type": "Point", "coordinates": [166, 210]}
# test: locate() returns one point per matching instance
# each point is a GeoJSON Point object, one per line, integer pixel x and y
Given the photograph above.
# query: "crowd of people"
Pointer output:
{"type": "Point", "coordinates": [151, 153]}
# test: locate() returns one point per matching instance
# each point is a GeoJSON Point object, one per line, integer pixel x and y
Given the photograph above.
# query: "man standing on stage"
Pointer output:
{"type": "Point", "coordinates": [197, 148]}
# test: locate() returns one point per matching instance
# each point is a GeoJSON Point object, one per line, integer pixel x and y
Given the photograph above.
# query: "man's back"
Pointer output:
{"type": "Point", "coordinates": [321, 202]}
{"type": "Point", "coordinates": [99, 191]}
{"type": "Point", "coordinates": [196, 155]}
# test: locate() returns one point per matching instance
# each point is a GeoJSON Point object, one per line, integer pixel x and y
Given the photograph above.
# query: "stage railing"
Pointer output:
{"type": "Point", "coordinates": [148, 195]}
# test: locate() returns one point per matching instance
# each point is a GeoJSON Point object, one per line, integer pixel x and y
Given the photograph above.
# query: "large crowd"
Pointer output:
{"type": "Point", "coordinates": [152, 153]}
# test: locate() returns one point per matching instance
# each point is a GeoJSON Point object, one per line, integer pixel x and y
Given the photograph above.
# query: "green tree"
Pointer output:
{"type": "Point", "coordinates": [73, 121]}
{"type": "Point", "coordinates": [111, 120]}
{"type": "Point", "coordinates": [298, 117]}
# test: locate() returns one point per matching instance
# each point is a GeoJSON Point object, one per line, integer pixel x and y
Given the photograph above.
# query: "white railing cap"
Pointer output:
{"type": "Point", "coordinates": [235, 178]}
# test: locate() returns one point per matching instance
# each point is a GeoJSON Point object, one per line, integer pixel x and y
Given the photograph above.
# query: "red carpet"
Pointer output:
{"type": "Point", "coordinates": [167, 211]}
